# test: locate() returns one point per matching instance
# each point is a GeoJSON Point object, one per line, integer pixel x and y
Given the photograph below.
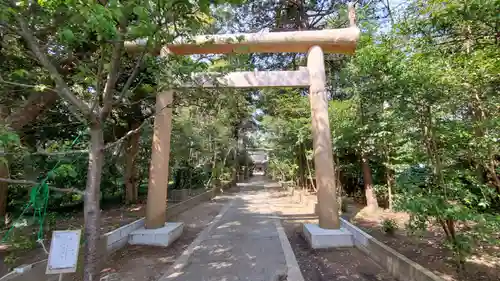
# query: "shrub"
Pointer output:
{"type": "Point", "coordinates": [449, 199]}
{"type": "Point", "coordinates": [389, 226]}
{"type": "Point", "coordinates": [19, 242]}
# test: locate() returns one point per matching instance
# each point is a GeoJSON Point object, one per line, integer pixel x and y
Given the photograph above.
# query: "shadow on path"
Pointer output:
{"type": "Point", "coordinates": [243, 243]}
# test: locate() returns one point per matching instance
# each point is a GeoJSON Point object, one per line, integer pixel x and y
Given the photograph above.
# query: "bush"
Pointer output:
{"type": "Point", "coordinates": [19, 242]}
{"type": "Point", "coordinates": [189, 177]}
{"type": "Point", "coordinates": [389, 226]}
{"type": "Point", "coordinates": [452, 198]}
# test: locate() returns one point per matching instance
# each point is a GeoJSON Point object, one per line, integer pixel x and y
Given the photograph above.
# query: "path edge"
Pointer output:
{"type": "Point", "coordinates": [293, 269]}
{"type": "Point", "coordinates": [182, 261]}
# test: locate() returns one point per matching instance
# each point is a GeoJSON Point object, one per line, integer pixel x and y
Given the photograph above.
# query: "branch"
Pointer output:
{"type": "Point", "coordinates": [36, 103]}
{"type": "Point", "coordinates": [83, 151]}
{"type": "Point", "coordinates": [352, 14]}
{"type": "Point", "coordinates": [45, 153]}
{"type": "Point", "coordinates": [134, 131]}
{"type": "Point", "coordinates": [134, 74]}
{"type": "Point", "coordinates": [129, 133]}
{"type": "Point", "coordinates": [135, 87]}
{"type": "Point", "coordinates": [18, 84]}
{"type": "Point", "coordinates": [98, 81]}
{"type": "Point", "coordinates": [62, 88]}
{"type": "Point", "coordinates": [69, 152]}
{"type": "Point", "coordinates": [67, 190]}
{"type": "Point", "coordinates": [112, 77]}
{"type": "Point", "coordinates": [107, 146]}
{"type": "Point", "coordinates": [26, 182]}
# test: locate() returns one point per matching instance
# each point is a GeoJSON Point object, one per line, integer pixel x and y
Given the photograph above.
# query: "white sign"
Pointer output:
{"type": "Point", "coordinates": [63, 256]}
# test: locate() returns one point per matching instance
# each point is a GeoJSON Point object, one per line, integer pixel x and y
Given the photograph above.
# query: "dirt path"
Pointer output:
{"type": "Point", "coordinates": [244, 243]}
{"type": "Point", "coordinates": [321, 265]}
{"type": "Point", "coordinates": [141, 263]}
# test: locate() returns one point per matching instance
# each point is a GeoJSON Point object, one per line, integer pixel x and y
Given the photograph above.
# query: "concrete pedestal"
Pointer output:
{"type": "Point", "coordinates": [320, 238]}
{"type": "Point", "coordinates": [162, 237]}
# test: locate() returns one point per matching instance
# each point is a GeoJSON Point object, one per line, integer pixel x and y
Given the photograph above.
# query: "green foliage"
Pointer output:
{"type": "Point", "coordinates": [419, 100]}
{"type": "Point", "coordinates": [423, 91]}
{"type": "Point", "coordinates": [51, 220]}
{"type": "Point", "coordinates": [84, 33]}
{"type": "Point", "coordinates": [189, 177]}
{"type": "Point", "coordinates": [284, 170]}
{"type": "Point", "coordinates": [389, 226]}
{"type": "Point", "coordinates": [8, 138]}
{"type": "Point", "coordinates": [19, 241]}
{"type": "Point", "coordinates": [461, 202]}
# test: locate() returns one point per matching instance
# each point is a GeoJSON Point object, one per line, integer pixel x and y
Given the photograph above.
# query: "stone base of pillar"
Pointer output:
{"type": "Point", "coordinates": [319, 238]}
{"type": "Point", "coordinates": [162, 237]}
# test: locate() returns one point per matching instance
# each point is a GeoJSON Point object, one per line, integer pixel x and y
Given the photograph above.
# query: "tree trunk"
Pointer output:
{"type": "Point", "coordinates": [390, 180]}
{"type": "Point", "coordinates": [236, 167]}
{"type": "Point", "coordinates": [215, 171]}
{"type": "Point", "coordinates": [4, 188]}
{"type": "Point", "coordinates": [311, 180]}
{"type": "Point", "coordinates": [489, 165]}
{"type": "Point", "coordinates": [389, 177]}
{"type": "Point", "coordinates": [4, 171]}
{"type": "Point", "coordinates": [35, 105]}
{"type": "Point", "coordinates": [300, 163]}
{"type": "Point", "coordinates": [371, 197]}
{"type": "Point", "coordinates": [340, 189]}
{"type": "Point", "coordinates": [131, 188]}
{"type": "Point", "coordinates": [431, 145]}
{"type": "Point", "coordinates": [91, 203]}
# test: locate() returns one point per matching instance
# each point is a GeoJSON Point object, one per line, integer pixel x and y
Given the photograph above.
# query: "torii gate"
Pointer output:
{"type": "Point", "coordinates": [315, 43]}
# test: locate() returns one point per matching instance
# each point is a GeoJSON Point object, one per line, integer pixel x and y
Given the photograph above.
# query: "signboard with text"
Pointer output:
{"type": "Point", "coordinates": [63, 255]}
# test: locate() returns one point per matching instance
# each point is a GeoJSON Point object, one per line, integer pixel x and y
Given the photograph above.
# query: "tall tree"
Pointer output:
{"type": "Point", "coordinates": [92, 36]}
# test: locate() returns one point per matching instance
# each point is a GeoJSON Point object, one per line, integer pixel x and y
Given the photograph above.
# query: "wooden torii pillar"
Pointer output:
{"type": "Point", "coordinates": [313, 42]}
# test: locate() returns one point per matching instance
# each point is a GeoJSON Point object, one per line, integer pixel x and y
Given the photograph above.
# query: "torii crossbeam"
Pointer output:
{"type": "Point", "coordinates": [342, 40]}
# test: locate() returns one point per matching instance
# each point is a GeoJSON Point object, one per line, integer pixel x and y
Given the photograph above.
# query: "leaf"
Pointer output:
{"type": "Point", "coordinates": [141, 12]}
{"type": "Point", "coordinates": [67, 35]}
{"type": "Point", "coordinates": [20, 72]}
{"type": "Point", "coordinates": [204, 6]}
{"type": "Point", "coordinates": [41, 87]}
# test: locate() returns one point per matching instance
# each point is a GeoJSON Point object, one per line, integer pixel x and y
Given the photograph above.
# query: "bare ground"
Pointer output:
{"type": "Point", "coordinates": [321, 265]}
{"type": "Point", "coordinates": [110, 219]}
{"type": "Point", "coordinates": [427, 248]}
{"type": "Point", "coordinates": [141, 263]}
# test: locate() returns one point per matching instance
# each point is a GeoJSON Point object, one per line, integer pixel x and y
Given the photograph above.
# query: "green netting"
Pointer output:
{"type": "Point", "coordinates": [39, 199]}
